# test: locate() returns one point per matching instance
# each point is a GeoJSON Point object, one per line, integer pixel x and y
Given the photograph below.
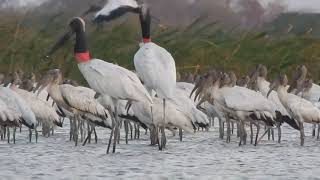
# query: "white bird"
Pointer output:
{"type": "Point", "coordinates": [188, 106]}
{"type": "Point", "coordinates": [300, 109]}
{"type": "Point", "coordinates": [15, 102]}
{"type": "Point", "coordinates": [239, 102]}
{"type": "Point", "coordinates": [305, 88]}
{"type": "Point", "coordinates": [9, 118]}
{"type": "Point", "coordinates": [103, 77]}
{"type": "Point", "coordinates": [43, 111]}
{"type": "Point", "coordinates": [154, 65]}
{"type": "Point", "coordinates": [175, 116]}
{"type": "Point", "coordinates": [76, 100]}
{"type": "Point", "coordinates": [259, 82]}
{"type": "Point", "coordinates": [186, 87]}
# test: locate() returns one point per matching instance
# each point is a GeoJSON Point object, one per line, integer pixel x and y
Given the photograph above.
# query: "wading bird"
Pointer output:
{"type": "Point", "coordinates": [258, 82]}
{"type": "Point", "coordinates": [103, 77]}
{"type": "Point", "coordinates": [154, 65]}
{"type": "Point", "coordinates": [15, 102]}
{"type": "Point", "coordinates": [74, 99]}
{"type": "Point", "coordinates": [299, 109]}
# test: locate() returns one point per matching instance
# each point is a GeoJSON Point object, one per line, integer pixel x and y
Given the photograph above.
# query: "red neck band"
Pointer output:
{"type": "Point", "coordinates": [146, 40]}
{"type": "Point", "coordinates": [82, 57]}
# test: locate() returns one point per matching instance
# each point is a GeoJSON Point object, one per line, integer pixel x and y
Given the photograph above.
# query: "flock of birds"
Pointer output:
{"type": "Point", "coordinates": [151, 97]}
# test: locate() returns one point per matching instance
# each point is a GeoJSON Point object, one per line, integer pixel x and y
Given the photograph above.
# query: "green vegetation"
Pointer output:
{"type": "Point", "coordinates": [205, 44]}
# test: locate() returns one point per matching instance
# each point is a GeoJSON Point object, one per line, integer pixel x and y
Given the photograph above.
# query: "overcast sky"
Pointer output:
{"type": "Point", "coordinates": [304, 5]}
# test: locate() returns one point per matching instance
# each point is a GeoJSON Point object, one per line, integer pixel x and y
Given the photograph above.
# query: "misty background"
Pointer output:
{"type": "Point", "coordinates": [247, 13]}
{"type": "Point", "coordinates": [227, 34]}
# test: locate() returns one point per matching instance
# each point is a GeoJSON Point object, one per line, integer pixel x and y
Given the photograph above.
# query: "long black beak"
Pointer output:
{"type": "Point", "coordinates": [62, 40]}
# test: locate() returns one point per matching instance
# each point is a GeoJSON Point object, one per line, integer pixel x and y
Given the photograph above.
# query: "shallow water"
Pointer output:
{"type": "Point", "coordinates": [200, 156]}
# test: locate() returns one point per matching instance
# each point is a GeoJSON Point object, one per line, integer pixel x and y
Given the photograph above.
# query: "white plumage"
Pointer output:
{"type": "Point", "coordinates": [156, 68]}
{"type": "Point", "coordinates": [300, 109]}
{"type": "Point", "coordinates": [313, 94]}
{"type": "Point", "coordinates": [187, 105]}
{"type": "Point", "coordinates": [242, 99]}
{"type": "Point", "coordinates": [15, 102]}
{"type": "Point", "coordinates": [44, 113]}
{"type": "Point", "coordinates": [9, 117]}
{"type": "Point", "coordinates": [263, 87]}
{"type": "Point", "coordinates": [113, 80]}
{"type": "Point", "coordinates": [174, 116]}
{"type": "Point", "coordinates": [115, 4]}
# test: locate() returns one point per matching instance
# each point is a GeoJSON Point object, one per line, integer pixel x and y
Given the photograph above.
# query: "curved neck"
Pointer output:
{"type": "Point", "coordinates": [145, 21]}
{"type": "Point", "coordinates": [80, 48]}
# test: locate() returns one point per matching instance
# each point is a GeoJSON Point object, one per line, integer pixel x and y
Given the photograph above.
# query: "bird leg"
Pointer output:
{"type": "Point", "coordinates": [138, 126]}
{"type": "Point", "coordinates": [116, 128]}
{"type": "Point", "coordinates": [71, 128]}
{"type": "Point", "coordinates": [111, 134]}
{"type": "Point", "coordinates": [81, 122]}
{"type": "Point", "coordinates": [118, 137]}
{"type": "Point", "coordinates": [302, 134]}
{"type": "Point", "coordinates": [258, 130]}
{"type": "Point", "coordinates": [279, 132]}
{"type": "Point", "coordinates": [89, 129]}
{"type": "Point", "coordinates": [272, 134]}
{"type": "Point", "coordinates": [269, 134]}
{"type": "Point", "coordinates": [266, 131]}
{"type": "Point", "coordinates": [30, 135]}
{"type": "Point", "coordinates": [228, 130]}
{"type": "Point", "coordinates": [244, 134]}
{"type": "Point", "coordinates": [153, 135]}
{"type": "Point", "coordinates": [115, 137]}
{"type": "Point", "coordinates": [95, 134]}
{"type": "Point", "coordinates": [1, 132]}
{"type": "Point", "coordinates": [146, 131]}
{"type": "Point", "coordinates": [135, 130]}
{"type": "Point", "coordinates": [14, 135]}
{"type": "Point", "coordinates": [220, 129]}
{"type": "Point", "coordinates": [240, 132]}
{"type": "Point", "coordinates": [163, 138]}
{"type": "Point", "coordinates": [4, 132]}
{"type": "Point", "coordinates": [313, 130]}
{"type": "Point", "coordinates": [131, 129]}
{"type": "Point", "coordinates": [251, 133]}
{"type": "Point", "coordinates": [232, 127]}
{"type": "Point", "coordinates": [75, 135]}
{"type": "Point", "coordinates": [36, 133]}
{"type": "Point", "coordinates": [8, 134]}
{"type": "Point", "coordinates": [85, 141]}
{"type": "Point", "coordinates": [180, 134]}
{"type": "Point", "coordinates": [20, 128]}
{"type": "Point", "coordinates": [318, 136]}
{"type": "Point", "coordinates": [52, 131]}
{"type": "Point", "coordinates": [126, 129]}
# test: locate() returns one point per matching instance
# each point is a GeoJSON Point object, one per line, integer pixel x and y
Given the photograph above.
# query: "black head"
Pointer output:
{"type": "Point", "coordinates": [77, 24]}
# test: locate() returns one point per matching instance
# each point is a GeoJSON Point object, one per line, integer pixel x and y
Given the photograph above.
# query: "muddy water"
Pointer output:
{"type": "Point", "coordinates": [200, 156]}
